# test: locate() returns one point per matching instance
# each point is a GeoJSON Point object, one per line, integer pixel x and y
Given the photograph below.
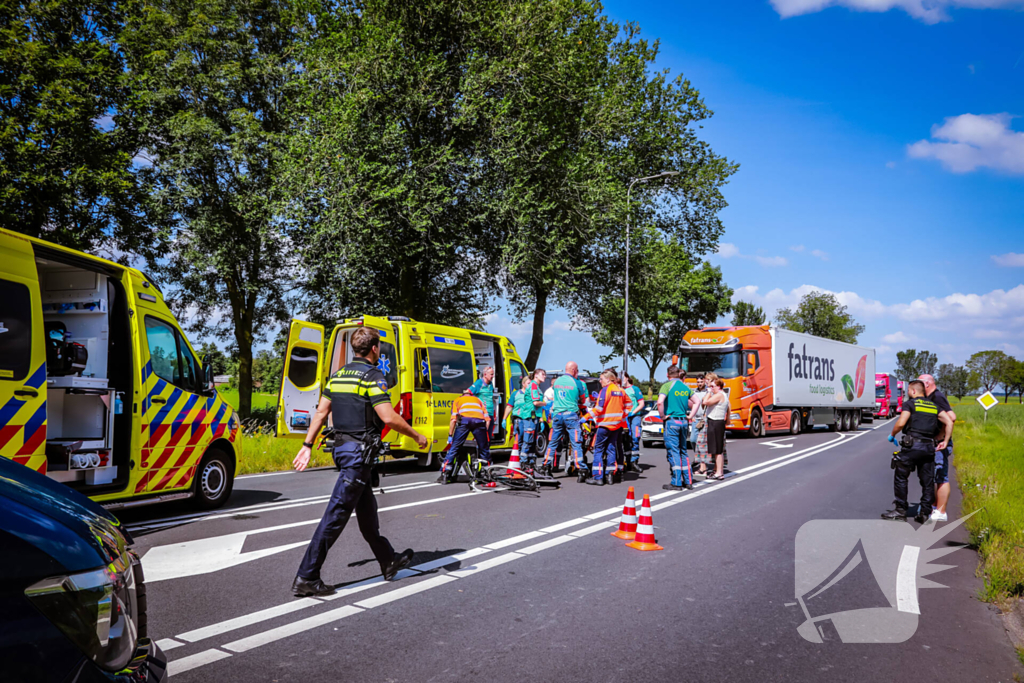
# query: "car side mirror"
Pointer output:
{"type": "Point", "coordinates": [208, 378]}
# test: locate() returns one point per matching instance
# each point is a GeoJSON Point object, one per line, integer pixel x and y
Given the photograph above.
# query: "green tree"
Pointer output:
{"type": "Point", "coordinates": [820, 314]}
{"type": "Point", "coordinates": [211, 355]}
{"type": "Point", "coordinates": [1006, 374]}
{"type": "Point", "coordinates": [66, 171]}
{"type": "Point", "coordinates": [450, 150]}
{"type": "Point", "coordinates": [669, 296]}
{"type": "Point", "coordinates": [1015, 379]}
{"type": "Point", "coordinates": [954, 380]}
{"type": "Point", "coordinates": [212, 78]}
{"type": "Point", "coordinates": [988, 367]}
{"type": "Point", "coordinates": [746, 313]}
{"type": "Point", "coordinates": [911, 364]}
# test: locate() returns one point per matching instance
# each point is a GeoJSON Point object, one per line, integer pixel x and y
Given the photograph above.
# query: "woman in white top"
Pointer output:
{"type": "Point", "coordinates": [716, 405]}
{"type": "Point", "coordinates": [698, 431]}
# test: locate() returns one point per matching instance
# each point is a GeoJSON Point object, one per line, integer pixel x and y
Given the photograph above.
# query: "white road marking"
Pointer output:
{"type": "Point", "coordinates": [312, 622]}
{"type": "Point", "coordinates": [254, 618]}
{"type": "Point", "coordinates": [906, 580]}
{"type": "Point", "coordinates": [777, 443]}
{"type": "Point", "coordinates": [168, 644]}
{"type": "Point", "coordinates": [246, 644]}
{"type": "Point", "coordinates": [177, 666]}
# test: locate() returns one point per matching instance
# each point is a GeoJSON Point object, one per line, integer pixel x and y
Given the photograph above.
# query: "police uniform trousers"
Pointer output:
{"type": "Point", "coordinates": [676, 431]}
{"type": "Point", "coordinates": [921, 456]}
{"type": "Point", "coordinates": [352, 493]}
{"type": "Point", "coordinates": [605, 447]}
{"type": "Point", "coordinates": [465, 427]}
{"type": "Point", "coordinates": [567, 426]}
{"type": "Point", "coordinates": [526, 434]}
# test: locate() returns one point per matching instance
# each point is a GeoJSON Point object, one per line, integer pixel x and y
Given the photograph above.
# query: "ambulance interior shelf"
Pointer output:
{"type": "Point", "coordinates": [487, 353]}
{"type": "Point", "coordinates": [81, 404]}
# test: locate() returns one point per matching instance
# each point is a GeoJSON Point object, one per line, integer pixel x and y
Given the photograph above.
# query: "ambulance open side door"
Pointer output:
{"type": "Point", "coordinates": [301, 379]}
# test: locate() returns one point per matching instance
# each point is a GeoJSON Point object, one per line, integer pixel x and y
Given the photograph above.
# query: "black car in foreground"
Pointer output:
{"type": "Point", "coordinates": [72, 597]}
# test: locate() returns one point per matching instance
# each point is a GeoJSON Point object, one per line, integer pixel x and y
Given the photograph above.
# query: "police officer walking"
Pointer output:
{"type": "Point", "coordinates": [356, 397]}
{"type": "Point", "coordinates": [919, 423]}
{"type": "Point", "coordinates": [468, 417]}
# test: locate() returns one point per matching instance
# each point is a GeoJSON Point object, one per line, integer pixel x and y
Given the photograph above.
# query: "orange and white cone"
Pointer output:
{"type": "Point", "coordinates": [627, 525]}
{"type": "Point", "coordinates": [644, 539]}
{"type": "Point", "coordinates": [513, 461]}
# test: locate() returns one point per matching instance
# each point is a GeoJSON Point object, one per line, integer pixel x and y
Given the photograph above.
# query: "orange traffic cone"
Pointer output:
{"type": "Point", "coordinates": [627, 525]}
{"type": "Point", "coordinates": [644, 539]}
{"type": "Point", "coordinates": [513, 461]}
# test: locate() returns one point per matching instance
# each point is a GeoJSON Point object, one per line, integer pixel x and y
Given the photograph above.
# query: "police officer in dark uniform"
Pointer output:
{"type": "Point", "coordinates": [920, 422]}
{"type": "Point", "coordinates": [357, 398]}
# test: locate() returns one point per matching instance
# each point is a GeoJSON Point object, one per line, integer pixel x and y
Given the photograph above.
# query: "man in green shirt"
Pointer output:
{"type": "Point", "coordinates": [673, 406]}
{"type": "Point", "coordinates": [483, 389]}
{"type": "Point", "coordinates": [633, 422]}
{"type": "Point", "coordinates": [570, 393]}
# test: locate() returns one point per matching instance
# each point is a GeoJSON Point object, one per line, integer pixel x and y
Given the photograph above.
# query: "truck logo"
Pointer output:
{"type": "Point", "coordinates": [448, 373]}
{"type": "Point", "coordinates": [810, 367]}
{"type": "Point", "coordinates": [713, 340]}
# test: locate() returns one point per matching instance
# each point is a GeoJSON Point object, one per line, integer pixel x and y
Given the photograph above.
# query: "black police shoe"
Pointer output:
{"type": "Point", "coordinates": [921, 519]}
{"type": "Point", "coordinates": [400, 562]}
{"type": "Point", "coordinates": [688, 487]}
{"type": "Point", "coordinates": [302, 588]}
{"type": "Point", "coordinates": [674, 487]}
{"type": "Point", "coordinates": [895, 515]}
{"type": "Point", "coordinates": [441, 480]}
{"type": "Point", "coordinates": [609, 479]}
{"type": "Point", "coordinates": [596, 481]}
{"type": "Point", "coordinates": [617, 478]}
{"type": "Point", "coordinates": [581, 476]}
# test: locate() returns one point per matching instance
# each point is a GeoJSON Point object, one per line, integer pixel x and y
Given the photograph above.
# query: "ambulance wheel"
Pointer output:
{"type": "Point", "coordinates": [540, 446]}
{"type": "Point", "coordinates": [428, 461]}
{"type": "Point", "coordinates": [215, 478]}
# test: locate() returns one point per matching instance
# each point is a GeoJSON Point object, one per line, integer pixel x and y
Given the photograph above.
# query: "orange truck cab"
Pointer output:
{"type": "Point", "coordinates": [778, 380]}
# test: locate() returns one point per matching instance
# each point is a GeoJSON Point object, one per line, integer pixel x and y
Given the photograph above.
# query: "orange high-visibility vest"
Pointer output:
{"type": "Point", "coordinates": [469, 407]}
{"type": "Point", "coordinates": [611, 408]}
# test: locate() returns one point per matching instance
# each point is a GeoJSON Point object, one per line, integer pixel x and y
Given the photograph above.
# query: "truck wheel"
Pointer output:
{"type": "Point", "coordinates": [215, 478]}
{"type": "Point", "coordinates": [756, 424]}
{"type": "Point", "coordinates": [837, 423]}
{"type": "Point", "coordinates": [794, 422]}
{"type": "Point", "coordinates": [846, 420]}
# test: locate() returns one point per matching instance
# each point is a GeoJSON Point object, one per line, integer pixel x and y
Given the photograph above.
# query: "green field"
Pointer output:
{"type": "Point", "coordinates": [259, 401]}
{"type": "Point", "coordinates": [989, 463]}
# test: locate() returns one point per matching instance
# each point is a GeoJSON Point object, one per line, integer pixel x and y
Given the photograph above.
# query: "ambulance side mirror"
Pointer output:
{"type": "Point", "coordinates": [208, 378]}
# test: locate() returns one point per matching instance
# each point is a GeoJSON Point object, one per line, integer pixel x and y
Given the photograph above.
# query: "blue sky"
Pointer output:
{"type": "Point", "coordinates": [881, 158]}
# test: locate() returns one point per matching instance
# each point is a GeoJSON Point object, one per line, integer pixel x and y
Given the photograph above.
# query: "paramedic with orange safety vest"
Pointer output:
{"type": "Point", "coordinates": [468, 417]}
{"type": "Point", "coordinates": [609, 413]}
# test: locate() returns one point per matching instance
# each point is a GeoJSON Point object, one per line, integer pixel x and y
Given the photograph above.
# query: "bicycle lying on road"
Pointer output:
{"type": "Point", "coordinates": [504, 478]}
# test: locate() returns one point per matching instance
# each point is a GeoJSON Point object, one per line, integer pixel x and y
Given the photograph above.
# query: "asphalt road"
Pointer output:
{"type": "Point", "coordinates": [514, 586]}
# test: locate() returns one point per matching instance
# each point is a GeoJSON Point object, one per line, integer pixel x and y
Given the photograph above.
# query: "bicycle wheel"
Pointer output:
{"type": "Point", "coordinates": [503, 478]}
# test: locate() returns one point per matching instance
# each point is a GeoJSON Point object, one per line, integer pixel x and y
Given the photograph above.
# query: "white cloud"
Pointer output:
{"type": "Point", "coordinates": [898, 338]}
{"type": "Point", "coordinates": [558, 326]}
{"type": "Point", "coordinates": [728, 250]}
{"type": "Point", "coordinates": [928, 11]}
{"type": "Point", "coordinates": [776, 299]}
{"type": "Point", "coordinates": [1010, 260]}
{"type": "Point", "coordinates": [797, 248]}
{"type": "Point", "coordinates": [772, 261]}
{"type": "Point", "coordinates": [972, 141]}
{"type": "Point", "coordinates": [818, 253]}
{"type": "Point", "coordinates": [890, 164]}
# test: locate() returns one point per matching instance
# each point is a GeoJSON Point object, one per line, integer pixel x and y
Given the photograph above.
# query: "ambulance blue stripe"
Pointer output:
{"type": "Point", "coordinates": [35, 422]}
{"type": "Point", "coordinates": [216, 421]}
{"type": "Point", "coordinates": [13, 405]}
{"type": "Point", "coordinates": [38, 377]}
{"type": "Point", "coordinates": [147, 370]}
{"type": "Point", "coordinates": [165, 409]}
{"type": "Point", "coordinates": [183, 413]}
{"type": "Point", "coordinates": [449, 340]}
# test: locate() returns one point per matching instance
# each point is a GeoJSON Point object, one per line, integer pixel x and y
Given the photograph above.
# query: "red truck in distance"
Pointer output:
{"type": "Point", "coordinates": [888, 395]}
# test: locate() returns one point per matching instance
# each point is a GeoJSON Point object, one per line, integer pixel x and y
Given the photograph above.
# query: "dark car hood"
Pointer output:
{"type": "Point", "coordinates": [75, 532]}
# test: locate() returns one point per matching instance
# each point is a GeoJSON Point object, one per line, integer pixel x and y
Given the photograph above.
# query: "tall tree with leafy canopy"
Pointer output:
{"type": "Point", "coordinates": [746, 313]}
{"type": "Point", "coordinates": [955, 380]}
{"type": "Point", "coordinates": [911, 363]}
{"type": "Point", "coordinates": [820, 314]}
{"type": "Point", "coordinates": [588, 114]}
{"type": "Point", "coordinates": [212, 79]}
{"type": "Point", "coordinates": [669, 296]}
{"type": "Point", "coordinates": [988, 367]}
{"type": "Point", "coordinates": [66, 140]}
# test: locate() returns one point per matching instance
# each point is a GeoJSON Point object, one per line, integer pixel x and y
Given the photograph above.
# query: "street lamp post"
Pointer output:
{"type": "Point", "coordinates": [625, 336]}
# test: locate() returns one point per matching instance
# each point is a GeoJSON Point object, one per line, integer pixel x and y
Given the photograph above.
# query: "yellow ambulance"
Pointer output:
{"type": "Point", "coordinates": [99, 387]}
{"type": "Point", "coordinates": [426, 367]}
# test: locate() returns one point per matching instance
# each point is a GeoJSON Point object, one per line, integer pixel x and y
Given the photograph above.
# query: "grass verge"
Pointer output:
{"type": "Point", "coordinates": [989, 460]}
{"type": "Point", "coordinates": [259, 453]}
